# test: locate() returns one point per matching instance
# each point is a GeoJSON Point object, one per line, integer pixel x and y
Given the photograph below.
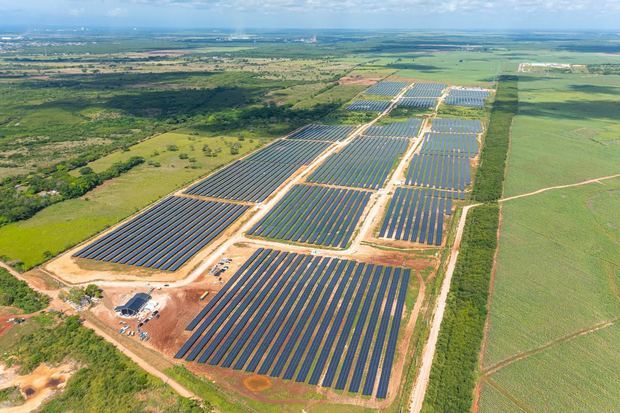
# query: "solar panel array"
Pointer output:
{"type": "Point", "coordinates": [439, 171]}
{"type": "Point", "coordinates": [256, 177]}
{"type": "Point", "coordinates": [454, 144]}
{"type": "Point", "coordinates": [467, 97]}
{"type": "Point", "coordinates": [366, 162]}
{"type": "Point", "coordinates": [417, 215]}
{"type": "Point", "coordinates": [457, 125]}
{"type": "Point", "coordinates": [369, 105]}
{"type": "Point", "coordinates": [408, 129]}
{"type": "Point", "coordinates": [166, 235]}
{"type": "Point", "coordinates": [324, 321]}
{"type": "Point", "coordinates": [296, 152]}
{"type": "Point", "coordinates": [315, 215]}
{"type": "Point", "coordinates": [329, 133]}
{"type": "Point", "coordinates": [386, 88]}
{"type": "Point", "coordinates": [425, 90]}
{"type": "Point", "coordinates": [417, 103]}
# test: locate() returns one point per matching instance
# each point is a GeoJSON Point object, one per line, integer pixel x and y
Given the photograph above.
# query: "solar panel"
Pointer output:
{"type": "Point", "coordinates": [292, 315]}
{"type": "Point", "coordinates": [425, 90]}
{"type": "Point", "coordinates": [165, 236]}
{"type": "Point", "coordinates": [369, 105]}
{"type": "Point", "coordinates": [454, 144]}
{"type": "Point", "coordinates": [437, 171]}
{"type": "Point", "coordinates": [314, 215]}
{"type": "Point", "coordinates": [417, 103]}
{"type": "Point", "coordinates": [456, 126]}
{"type": "Point", "coordinates": [408, 129]}
{"type": "Point", "coordinates": [386, 88]}
{"type": "Point", "coordinates": [329, 133]}
{"type": "Point", "coordinates": [366, 162]}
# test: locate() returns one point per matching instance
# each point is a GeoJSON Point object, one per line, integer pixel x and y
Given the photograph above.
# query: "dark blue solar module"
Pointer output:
{"type": "Point", "coordinates": [291, 315]}
{"type": "Point", "coordinates": [425, 90]}
{"type": "Point", "coordinates": [438, 171]}
{"type": "Point", "coordinates": [418, 215]}
{"type": "Point", "coordinates": [408, 129]}
{"type": "Point", "coordinates": [386, 88]}
{"type": "Point", "coordinates": [314, 215]}
{"type": "Point", "coordinates": [455, 144]}
{"type": "Point", "coordinates": [366, 162]}
{"type": "Point", "coordinates": [256, 177]}
{"type": "Point", "coordinates": [328, 133]}
{"type": "Point", "coordinates": [369, 105]}
{"type": "Point", "coordinates": [165, 236]}
{"type": "Point", "coordinates": [417, 103]}
{"type": "Point", "coordinates": [456, 126]}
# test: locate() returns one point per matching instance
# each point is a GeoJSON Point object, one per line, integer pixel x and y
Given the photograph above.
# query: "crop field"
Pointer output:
{"type": "Point", "coordinates": [369, 105]}
{"type": "Point", "coordinates": [386, 88]}
{"type": "Point", "coordinates": [439, 171]}
{"type": "Point", "coordinates": [457, 126]}
{"type": "Point", "coordinates": [417, 215]}
{"type": "Point", "coordinates": [328, 133]}
{"type": "Point", "coordinates": [324, 321]}
{"type": "Point", "coordinates": [256, 177]}
{"type": "Point", "coordinates": [366, 162]}
{"type": "Point", "coordinates": [314, 215]}
{"type": "Point", "coordinates": [166, 235]}
{"type": "Point", "coordinates": [408, 129]}
{"type": "Point", "coordinates": [425, 90]}
{"type": "Point", "coordinates": [417, 103]}
{"type": "Point", "coordinates": [453, 144]}
{"type": "Point", "coordinates": [563, 119]}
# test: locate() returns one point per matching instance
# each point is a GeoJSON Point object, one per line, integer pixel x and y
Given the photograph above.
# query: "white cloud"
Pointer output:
{"type": "Point", "coordinates": [117, 12]}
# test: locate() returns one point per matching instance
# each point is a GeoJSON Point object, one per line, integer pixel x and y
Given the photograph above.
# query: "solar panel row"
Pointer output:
{"type": "Point", "coordinates": [369, 105]}
{"type": "Point", "coordinates": [438, 171]}
{"type": "Point", "coordinates": [408, 129]}
{"type": "Point", "coordinates": [417, 215]}
{"type": "Point", "coordinates": [386, 88]}
{"type": "Point", "coordinates": [256, 177]}
{"type": "Point", "coordinates": [456, 126]}
{"type": "Point", "coordinates": [329, 133]}
{"type": "Point", "coordinates": [418, 103]}
{"type": "Point", "coordinates": [295, 152]}
{"type": "Point", "coordinates": [315, 215]}
{"type": "Point", "coordinates": [293, 316]}
{"type": "Point", "coordinates": [454, 144]}
{"type": "Point", "coordinates": [425, 90]}
{"type": "Point", "coordinates": [244, 181]}
{"type": "Point", "coordinates": [364, 163]}
{"type": "Point", "coordinates": [166, 235]}
{"type": "Point", "coordinates": [467, 97]}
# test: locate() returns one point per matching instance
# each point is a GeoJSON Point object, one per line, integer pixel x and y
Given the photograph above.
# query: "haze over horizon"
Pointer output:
{"type": "Point", "coordinates": [317, 14]}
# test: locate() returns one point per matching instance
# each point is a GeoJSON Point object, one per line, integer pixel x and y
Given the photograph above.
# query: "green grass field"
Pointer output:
{"type": "Point", "coordinates": [567, 131]}
{"type": "Point", "coordinates": [65, 224]}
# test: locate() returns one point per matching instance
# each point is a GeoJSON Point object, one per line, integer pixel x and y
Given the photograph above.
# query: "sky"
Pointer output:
{"type": "Point", "coordinates": [344, 14]}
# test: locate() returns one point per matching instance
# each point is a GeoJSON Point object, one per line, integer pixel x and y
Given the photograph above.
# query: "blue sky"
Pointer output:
{"type": "Point", "coordinates": [244, 14]}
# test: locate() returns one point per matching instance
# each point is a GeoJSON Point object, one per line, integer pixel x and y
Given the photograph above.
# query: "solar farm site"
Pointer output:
{"type": "Point", "coordinates": [298, 266]}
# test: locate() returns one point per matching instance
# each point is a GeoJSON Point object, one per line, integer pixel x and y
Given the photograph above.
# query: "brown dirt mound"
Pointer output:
{"type": "Point", "coordinates": [256, 383]}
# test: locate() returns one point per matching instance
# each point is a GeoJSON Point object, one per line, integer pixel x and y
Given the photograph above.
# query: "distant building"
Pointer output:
{"type": "Point", "coordinates": [133, 306]}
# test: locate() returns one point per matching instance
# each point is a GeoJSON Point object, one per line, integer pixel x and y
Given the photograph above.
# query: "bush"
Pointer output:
{"type": "Point", "coordinates": [490, 174]}
{"type": "Point", "coordinates": [16, 293]}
